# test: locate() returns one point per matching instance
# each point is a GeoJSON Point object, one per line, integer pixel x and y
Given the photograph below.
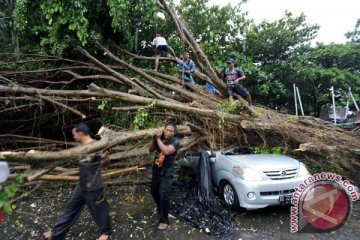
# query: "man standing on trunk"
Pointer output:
{"type": "Point", "coordinates": [233, 77]}
{"type": "Point", "coordinates": [165, 146]}
{"type": "Point", "coordinates": [89, 192]}
{"type": "Point", "coordinates": [161, 45]}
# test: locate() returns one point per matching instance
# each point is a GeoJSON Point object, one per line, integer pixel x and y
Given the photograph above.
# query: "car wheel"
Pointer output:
{"type": "Point", "coordinates": [229, 195]}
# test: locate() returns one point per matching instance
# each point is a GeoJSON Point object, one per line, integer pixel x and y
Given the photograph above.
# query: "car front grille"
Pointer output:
{"type": "Point", "coordinates": [277, 193]}
{"type": "Point", "coordinates": [281, 174]}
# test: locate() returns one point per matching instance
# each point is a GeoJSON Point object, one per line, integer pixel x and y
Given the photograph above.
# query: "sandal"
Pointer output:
{"type": "Point", "coordinates": [163, 226]}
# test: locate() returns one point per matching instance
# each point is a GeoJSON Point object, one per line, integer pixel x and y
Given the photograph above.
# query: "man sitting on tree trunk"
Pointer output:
{"type": "Point", "coordinates": [233, 76]}
{"type": "Point", "coordinates": [161, 45]}
{"type": "Point", "coordinates": [89, 191]}
{"type": "Point", "coordinates": [186, 70]}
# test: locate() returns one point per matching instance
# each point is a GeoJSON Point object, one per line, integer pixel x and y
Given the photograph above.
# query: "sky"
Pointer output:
{"type": "Point", "coordinates": [334, 17]}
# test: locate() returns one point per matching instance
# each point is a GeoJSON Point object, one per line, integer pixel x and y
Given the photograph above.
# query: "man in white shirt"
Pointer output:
{"type": "Point", "coordinates": [161, 46]}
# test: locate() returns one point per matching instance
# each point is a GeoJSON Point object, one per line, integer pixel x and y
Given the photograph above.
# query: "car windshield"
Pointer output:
{"type": "Point", "coordinates": [237, 151]}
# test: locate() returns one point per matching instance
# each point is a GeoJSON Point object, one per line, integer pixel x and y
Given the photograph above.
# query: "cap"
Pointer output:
{"type": "Point", "coordinates": [230, 60]}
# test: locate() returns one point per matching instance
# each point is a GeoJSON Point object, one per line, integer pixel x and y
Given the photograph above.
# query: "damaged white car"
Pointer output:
{"type": "Point", "coordinates": [249, 180]}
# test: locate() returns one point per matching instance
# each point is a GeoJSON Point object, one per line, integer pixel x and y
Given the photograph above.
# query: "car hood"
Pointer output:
{"type": "Point", "coordinates": [264, 162]}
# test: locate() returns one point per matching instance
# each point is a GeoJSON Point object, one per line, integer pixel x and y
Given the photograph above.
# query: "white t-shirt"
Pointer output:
{"type": "Point", "coordinates": [159, 41]}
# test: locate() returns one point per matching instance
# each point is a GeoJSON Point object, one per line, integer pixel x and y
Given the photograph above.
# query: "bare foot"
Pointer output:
{"type": "Point", "coordinates": [48, 234]}
{"type": "Point", "coordinates": [155, 70]}
{"type": "Point", "coordinates": [163, 226]}
{"type": "Point", "coordinates": [104, 237]}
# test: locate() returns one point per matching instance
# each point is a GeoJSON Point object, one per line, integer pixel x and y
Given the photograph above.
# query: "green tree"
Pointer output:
{"type": "Point", "coordinates": [60, 25]}
{"type": "Point", "coordinates": [354, 36]}
{"type": "Point", "coordinates": [8, 33]}
{"type": "Point", "coordinates": [270, 42]}
{"type": "Point", "coordinates": [220, 30]}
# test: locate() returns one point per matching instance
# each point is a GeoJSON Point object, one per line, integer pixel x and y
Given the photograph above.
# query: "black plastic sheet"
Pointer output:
{"type": "Point", "coordinates": [205, 188]}
{"type": "Point", "coordinates": [194, 202]}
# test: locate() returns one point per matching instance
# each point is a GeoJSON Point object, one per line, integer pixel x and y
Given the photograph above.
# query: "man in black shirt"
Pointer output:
{"type": "Point", "coordinates": [89, 192]}
{"type": "Point", "coordinates": [165, 146]}
{"type": "Point", "coordinates": [233, 76]}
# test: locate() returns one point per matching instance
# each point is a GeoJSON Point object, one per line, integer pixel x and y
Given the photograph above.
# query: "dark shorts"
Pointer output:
{"type": "Point", "coordinates": [162, 48]}
{"type": "Point", "coordinates": [238, 88]}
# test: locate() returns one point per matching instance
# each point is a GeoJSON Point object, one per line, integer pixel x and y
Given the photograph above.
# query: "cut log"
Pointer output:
{"type": "Point", "coordinates": [311, 147]}
{"type": "Point", "coordinates": [306, 147]}
{"type": "Point", "coordinates": [259, 124]}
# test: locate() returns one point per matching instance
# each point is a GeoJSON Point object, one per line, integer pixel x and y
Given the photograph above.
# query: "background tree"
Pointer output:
{"type": "Point", "coordinates": [354, 36]}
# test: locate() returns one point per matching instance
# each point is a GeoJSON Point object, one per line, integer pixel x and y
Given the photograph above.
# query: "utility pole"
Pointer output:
{"type": "Point", "coordinates": [301, 107]}
{"type": "Point", "coordinates": [333, 100]}
{"type": "Point", "coordinates": [296, 109]}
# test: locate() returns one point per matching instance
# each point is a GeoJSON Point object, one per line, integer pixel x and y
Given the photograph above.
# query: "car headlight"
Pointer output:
{"type": "Point", "coordinates": [248, 174]}
{"type": "Point", "coordinates": [302, 170]}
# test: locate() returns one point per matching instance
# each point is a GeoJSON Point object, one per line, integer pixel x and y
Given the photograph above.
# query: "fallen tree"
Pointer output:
{"type": "Point", "coordinates": [39, 106]}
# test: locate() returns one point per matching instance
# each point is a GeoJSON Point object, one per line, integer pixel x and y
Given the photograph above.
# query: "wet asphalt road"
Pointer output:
{"type": "Point", "coordinates": [132, 218]}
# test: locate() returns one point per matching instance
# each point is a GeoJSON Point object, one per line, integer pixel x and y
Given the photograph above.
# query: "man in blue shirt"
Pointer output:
{"type": "Point", "coordinates": [186, 70]}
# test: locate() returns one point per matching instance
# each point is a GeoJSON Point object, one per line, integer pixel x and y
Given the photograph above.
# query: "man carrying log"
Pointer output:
{"type": "Point", "coordinates": [233, 76]}
{"type": "Point", "coordinates": [186, 70]}
{"type": "Point", "coordinates": [160, 45]}
{"type": "Point", "coordinates": [165, 146]}
{"type": "Point", "coordinates": [89, 192]}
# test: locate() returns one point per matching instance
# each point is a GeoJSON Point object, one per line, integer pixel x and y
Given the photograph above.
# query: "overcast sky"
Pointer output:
{"type": "Point", "coordinates": [334, 17]}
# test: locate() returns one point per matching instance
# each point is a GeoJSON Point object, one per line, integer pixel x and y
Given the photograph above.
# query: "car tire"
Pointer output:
{"type": "Point", "coordinates": [229, 195]}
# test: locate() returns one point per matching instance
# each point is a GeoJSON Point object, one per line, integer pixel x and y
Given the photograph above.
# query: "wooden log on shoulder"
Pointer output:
{"type": "Point", "coordinates": [109, 139]}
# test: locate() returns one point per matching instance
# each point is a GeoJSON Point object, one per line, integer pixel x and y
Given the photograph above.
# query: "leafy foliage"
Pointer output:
{"type": "Point", "coordinates": [7, 192]}
{"type": "Point", "coordinates": [143, 118]}
{"type": "Point", "coordinates": [270, 42]}
{"type": "Point", "coordinates": [354, 36]}
{"type": "Point", "coordinates": [225, 108]}
{"type": "Point", "coordinates": [265, 150]}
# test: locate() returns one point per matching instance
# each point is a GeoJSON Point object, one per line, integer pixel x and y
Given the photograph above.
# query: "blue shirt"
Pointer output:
{"type": "Point", "coordinates": [190, 66]}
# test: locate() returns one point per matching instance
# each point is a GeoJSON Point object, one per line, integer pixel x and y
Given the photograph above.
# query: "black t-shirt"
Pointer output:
{"type": "Point", "coordinates": [90, 173]}
{"type": "Point", "coordinates": [231, 75]}
{"type": "Point", "coordinates": [169, 159]}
